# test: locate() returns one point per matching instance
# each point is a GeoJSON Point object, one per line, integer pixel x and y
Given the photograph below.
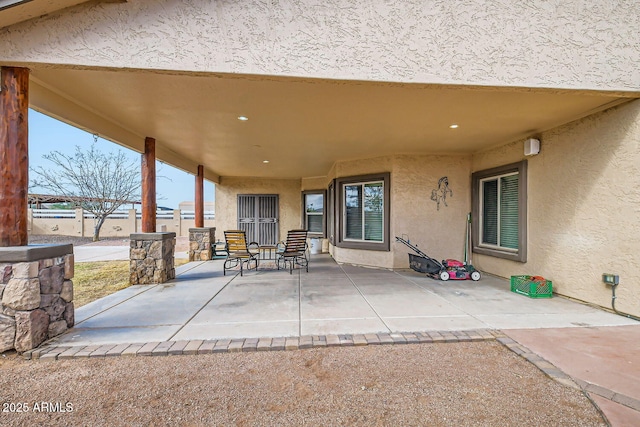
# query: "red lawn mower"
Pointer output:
{"type": "Point", "coordinates": [448, 269]}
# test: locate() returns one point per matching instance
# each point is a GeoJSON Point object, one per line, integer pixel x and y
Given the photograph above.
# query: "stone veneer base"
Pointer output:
{"type": "Point", "coordinates": [36, 294]}
{"type": "Point", "coordinates": [151, 258]}
{"type": "Point", "coordinates": [200, 241]}
{"type": "Point", "coordinates": [33, 252]}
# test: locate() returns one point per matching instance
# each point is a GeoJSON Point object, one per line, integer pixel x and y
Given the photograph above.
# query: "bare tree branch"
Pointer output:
{"type": "Point", "coordinates": [105, 181]}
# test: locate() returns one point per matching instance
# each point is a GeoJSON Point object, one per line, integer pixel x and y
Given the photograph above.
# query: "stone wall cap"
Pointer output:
{"type": "Point", "coordinates": [33, 252]}
{"type": "Point", "coordinates": [197, 229]}
{"type": "Point", "coordinates": [152, 236]}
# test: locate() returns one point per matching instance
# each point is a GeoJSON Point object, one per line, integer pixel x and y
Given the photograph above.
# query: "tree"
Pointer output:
{"type": "Point", "coordinates": [96, 181]}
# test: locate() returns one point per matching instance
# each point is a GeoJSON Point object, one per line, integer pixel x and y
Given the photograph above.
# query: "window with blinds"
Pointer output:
{"type": "Point", "coordinates": [364, 211]}
{"type": "Point", "coordinates": [314, 212]}
{"type": "Point", "coordinates": [499, 218]}
{"type": "Point", "coordinates": [499, 211]}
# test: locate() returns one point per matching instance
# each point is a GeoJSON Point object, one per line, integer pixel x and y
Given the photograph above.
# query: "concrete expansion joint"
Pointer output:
{"type": "Point", "coordinates": [186, 347]}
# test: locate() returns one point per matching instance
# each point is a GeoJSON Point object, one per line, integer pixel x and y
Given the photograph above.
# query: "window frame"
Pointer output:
{"type": "Point", "coordinates": [331, 212]}
{"type": "Point", "coordinates": [519, 255]}
{"type": "Point", "coordinates": [340, 218]}
{"type": "Point", "coordinates": [305, 193]}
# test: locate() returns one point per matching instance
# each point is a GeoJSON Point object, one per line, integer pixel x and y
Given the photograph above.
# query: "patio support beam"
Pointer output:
{"type": "Point", "coordinates": [149, 186]}
{"type": "Point", "coordinates": [14, 155]}
{"type": "Point", "coordinates": [199, 197]}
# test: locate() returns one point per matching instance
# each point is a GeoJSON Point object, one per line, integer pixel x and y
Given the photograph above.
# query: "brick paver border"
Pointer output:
{"type": "Point", "coordinates": [52, 352]}
{"type": "Point", "coordinates": [174, 348]}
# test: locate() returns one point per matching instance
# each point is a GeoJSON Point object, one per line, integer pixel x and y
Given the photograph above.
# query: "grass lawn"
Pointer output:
{"type": "Point", "coordinates": [94, 280]}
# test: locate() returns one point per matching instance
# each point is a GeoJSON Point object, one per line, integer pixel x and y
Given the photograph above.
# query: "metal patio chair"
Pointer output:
{"type": "Point", "coordinates": [239, 252]}
{"type": "Point", "coordinates": [295, 251]}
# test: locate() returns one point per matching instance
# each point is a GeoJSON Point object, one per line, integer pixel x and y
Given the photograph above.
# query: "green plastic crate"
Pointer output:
{"type": "Point", "coordinates": [526, 285]}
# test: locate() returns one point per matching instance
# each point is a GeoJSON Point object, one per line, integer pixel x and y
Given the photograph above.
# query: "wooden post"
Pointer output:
{"type": "Point", "coordinates": [200, 197]}
{"type": "Point", "coordinates": [149, 186]}
{"type": "Point", "coordinates": [14, 156]}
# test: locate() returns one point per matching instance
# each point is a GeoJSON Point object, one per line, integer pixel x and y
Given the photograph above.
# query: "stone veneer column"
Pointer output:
{"type": "Point", "coordinates": [200, 241]}
{"type": "Point", "coordinates": [151, 258]}
{"type": "Point", "coordinates": [36, 294]}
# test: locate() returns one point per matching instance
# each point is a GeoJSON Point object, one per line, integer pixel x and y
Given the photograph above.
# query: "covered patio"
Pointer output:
{"type": "Point", "coordinates": [332, 299]}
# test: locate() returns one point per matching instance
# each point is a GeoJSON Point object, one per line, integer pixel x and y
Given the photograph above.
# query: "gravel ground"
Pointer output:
{"type": "Point", "coordinates": [455, 384]}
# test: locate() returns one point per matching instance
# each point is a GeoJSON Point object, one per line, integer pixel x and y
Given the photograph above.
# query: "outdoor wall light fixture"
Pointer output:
{"type": "Point", "coordinates": [453, 126]}
{"type": "Point", "coordinates": [265, 161]}
{"type": "Point", "coordinates": [531, 147]}
{"type": "Point", "coordinates": [243, 118]}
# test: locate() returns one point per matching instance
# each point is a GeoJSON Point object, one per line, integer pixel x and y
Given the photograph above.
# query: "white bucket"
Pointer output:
{"type": "Point", "coordinates": [316, 246]}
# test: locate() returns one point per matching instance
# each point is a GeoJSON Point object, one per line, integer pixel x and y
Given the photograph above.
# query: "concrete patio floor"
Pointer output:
{"type": "Point", "coordinates": [331, 299]}
{"type": "Point", "coordinates": [595, 348]}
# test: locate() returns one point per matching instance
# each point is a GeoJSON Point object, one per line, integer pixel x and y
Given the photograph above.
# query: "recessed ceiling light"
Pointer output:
{"type": "Point", "coordinates": [243, 118]}
{"type": "Point", "coordinates": [265, 161]}
{"type": "Point", "coordinates": [453, 126]}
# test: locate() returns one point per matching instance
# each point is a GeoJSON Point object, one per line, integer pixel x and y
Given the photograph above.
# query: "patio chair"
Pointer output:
{"type": "Point", "coordinates": [295, 251]}
{"type": "Point", "coordinates": [219, 250]}
{"type": "Point", "coordinates": [239, 252]}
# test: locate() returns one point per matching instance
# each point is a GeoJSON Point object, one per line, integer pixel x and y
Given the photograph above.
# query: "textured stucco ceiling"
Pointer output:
{"type": "Point", "coordinates": [301, 126]}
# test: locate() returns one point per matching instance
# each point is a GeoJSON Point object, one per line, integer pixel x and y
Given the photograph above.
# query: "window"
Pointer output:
{"type": "Point", "coordinates": [364, 205]}
{"type": "Point", "coordinates": [363, 220]}
{"type": "Point", "coordinates": [313, 216]}
{"type": "Point", "coordinates": [499, 211]}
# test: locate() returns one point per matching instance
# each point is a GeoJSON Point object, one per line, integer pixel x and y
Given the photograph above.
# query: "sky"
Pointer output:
{"type": "Point", "coordinates": [47, 134]}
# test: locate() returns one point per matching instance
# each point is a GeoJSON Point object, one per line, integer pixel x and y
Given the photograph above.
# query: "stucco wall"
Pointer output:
{"type": "Point", "coordinates": [560, 44]}
{"type": "Point", "coordinates": [438, 232]}
{"type": "Point", "coordinates": [57, 226]}
{"type": "Point", "coordinates": [112, 227]}
{"type": "Point", "coordinates": [583, 207]}
{"type": "Point", "coordinates": [317, 183]}
{"type": "Point", "coordinates": [363, 167]}
{"type": "Point", "coordinates": [289, 201]}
